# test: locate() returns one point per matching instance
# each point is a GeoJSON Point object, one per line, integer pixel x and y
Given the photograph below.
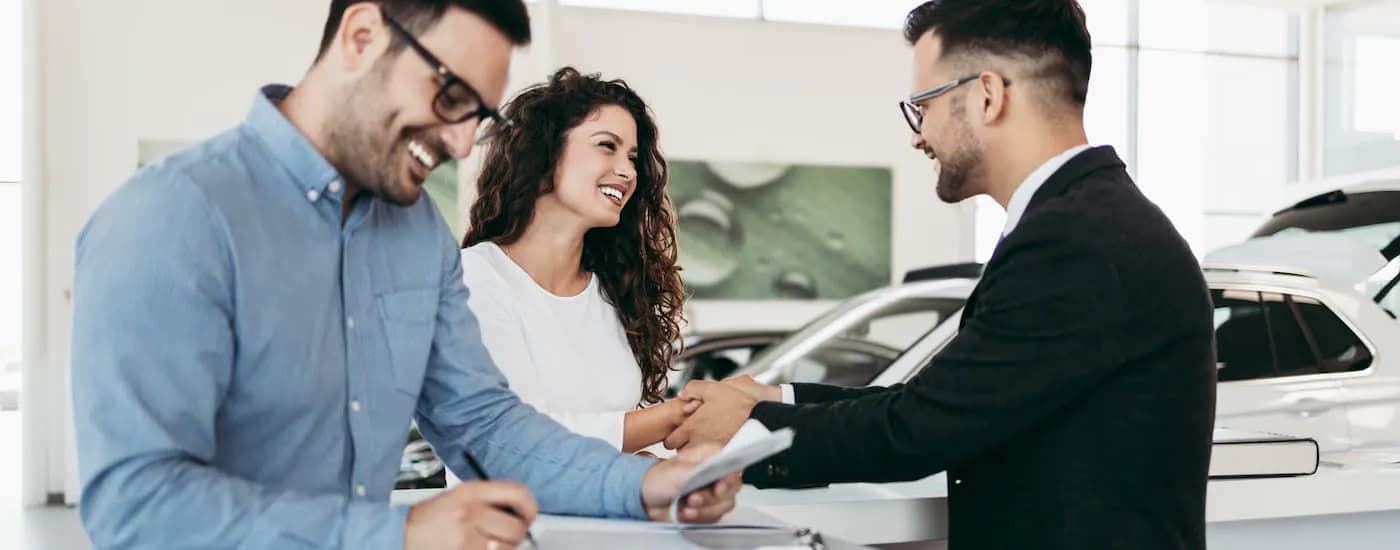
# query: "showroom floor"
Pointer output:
{"type": "Point", "coordinates": [54, 528]}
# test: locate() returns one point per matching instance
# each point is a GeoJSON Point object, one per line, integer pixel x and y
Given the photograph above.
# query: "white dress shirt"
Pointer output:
{"type": "Point", "coordinates": [1022, 197]}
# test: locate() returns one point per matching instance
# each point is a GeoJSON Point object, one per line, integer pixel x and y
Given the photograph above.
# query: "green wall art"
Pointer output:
{"type": "Point", "coordinates": [758, 231]}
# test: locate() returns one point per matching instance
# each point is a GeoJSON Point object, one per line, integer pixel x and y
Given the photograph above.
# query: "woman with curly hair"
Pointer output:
{"type": "Point", "coordinates": [571, 259]}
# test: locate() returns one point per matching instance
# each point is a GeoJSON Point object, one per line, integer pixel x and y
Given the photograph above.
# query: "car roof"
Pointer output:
{"type": "Point", "coordinates": [1381, 180]}
{"type": "Point", "coordinates": [959, 287]}
{"type": "Point", "coordinates": [1215, 274]}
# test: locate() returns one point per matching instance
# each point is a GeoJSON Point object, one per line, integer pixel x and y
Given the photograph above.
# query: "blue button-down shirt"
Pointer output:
{"type": "Point", "coordinates": [245, 367]}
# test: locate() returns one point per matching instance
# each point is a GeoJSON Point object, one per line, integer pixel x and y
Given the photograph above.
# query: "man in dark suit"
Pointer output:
{"type": "Point", "coordinates": [1074, 408]}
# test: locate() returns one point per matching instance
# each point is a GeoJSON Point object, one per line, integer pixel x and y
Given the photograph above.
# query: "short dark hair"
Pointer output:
{"type": "Point", "coordinates": [1051, 32]}
{"type": "Point", "coordinates": [417, 16]}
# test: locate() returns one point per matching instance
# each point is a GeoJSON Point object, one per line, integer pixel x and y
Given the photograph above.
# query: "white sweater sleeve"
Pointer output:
{"type": "Point", "coordinates": [503, 335]}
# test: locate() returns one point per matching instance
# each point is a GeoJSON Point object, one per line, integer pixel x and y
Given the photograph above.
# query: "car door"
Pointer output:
{"type": "Point", "coordinates": [1274, 374]}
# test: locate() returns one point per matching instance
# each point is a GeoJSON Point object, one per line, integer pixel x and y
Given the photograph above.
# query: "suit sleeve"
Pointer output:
{"type": "Point", "coordinates": [1040, 337]}
{"type": "Point", "coordinates": [805, 393]}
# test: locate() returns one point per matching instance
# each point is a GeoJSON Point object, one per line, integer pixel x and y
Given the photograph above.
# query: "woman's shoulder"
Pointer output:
{"type": "Point", "coordinates": [482, 269]}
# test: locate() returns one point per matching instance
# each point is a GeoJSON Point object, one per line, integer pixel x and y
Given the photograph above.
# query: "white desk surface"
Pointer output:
{"type": "Point", "coordinates": [867, 513]}
{"type": "Point", "coordinates": [1332, 490]}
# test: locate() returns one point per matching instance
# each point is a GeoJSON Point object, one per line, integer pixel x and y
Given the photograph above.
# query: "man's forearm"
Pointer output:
{"type": "Point", "coordinates": [175, 503]}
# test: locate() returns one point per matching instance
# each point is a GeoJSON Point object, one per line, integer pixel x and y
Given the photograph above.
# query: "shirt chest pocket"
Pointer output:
{"type": "Point", "coordinates": [408, 326]}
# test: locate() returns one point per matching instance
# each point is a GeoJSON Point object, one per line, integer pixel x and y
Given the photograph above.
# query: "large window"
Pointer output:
{"type": "Point", "coordinates": [1361, 130]}
{"type": "Point", "coordinates": [1206, 120]}
{"type": "Point", "coordinates": [1217, 114]}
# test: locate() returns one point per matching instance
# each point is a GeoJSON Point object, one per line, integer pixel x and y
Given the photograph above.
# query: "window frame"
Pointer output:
{"type": "Point", "coordinates": [1325, 301]}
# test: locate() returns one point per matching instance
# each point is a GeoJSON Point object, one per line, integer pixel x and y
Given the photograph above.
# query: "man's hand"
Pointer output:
{"type": "Point", "coordinates": [470, 516]}
{"type": "Point", "coordinates": [756, 389]}
{"type": "Point", "coordinates": [723, 410]}
{"type": "Point", "coordinates": [707, 505]}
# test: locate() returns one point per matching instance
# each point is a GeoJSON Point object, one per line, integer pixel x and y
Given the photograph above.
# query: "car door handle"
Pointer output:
{"type": "Point", "coordinates": [1309, 406]}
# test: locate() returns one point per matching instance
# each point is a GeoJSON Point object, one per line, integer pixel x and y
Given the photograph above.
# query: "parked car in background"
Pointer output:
{"type": "Point", "coordinates": [1368, 212]}
{"type": "Point", "coordinates": [716, 356]}
{"type": "Point", "coordinates": [1300, 349]}
{"type": "Point", "coordinates": [855, 343]}
{"type": "Point", "coordinates": [1297, 353]}
{"type": "Point", "coordinates": [868, 346]}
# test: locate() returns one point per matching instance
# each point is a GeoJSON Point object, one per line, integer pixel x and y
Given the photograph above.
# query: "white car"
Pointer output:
{"type": "Point", "coordinates": [1307, 340]}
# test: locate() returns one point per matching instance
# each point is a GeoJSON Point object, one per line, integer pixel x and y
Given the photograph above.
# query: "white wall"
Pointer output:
{"type": "Point", "coordinates": [113, 73]}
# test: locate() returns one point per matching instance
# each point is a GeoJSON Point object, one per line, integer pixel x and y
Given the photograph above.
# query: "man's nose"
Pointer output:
{"type": "Point", "coordinates": [917, 141]}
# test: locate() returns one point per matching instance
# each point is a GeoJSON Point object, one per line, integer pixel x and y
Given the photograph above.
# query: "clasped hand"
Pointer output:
{"type": "Point", "coordinates": [723, 408]}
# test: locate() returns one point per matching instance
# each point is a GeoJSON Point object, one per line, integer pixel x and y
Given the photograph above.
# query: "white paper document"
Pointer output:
{"type": "Point", "coordinates": [750, 445]}
{"type": "Point", "coordinates": [746, 529]}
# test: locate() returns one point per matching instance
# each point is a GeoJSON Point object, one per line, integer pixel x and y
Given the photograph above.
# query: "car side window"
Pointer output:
{"type": "Point", "coordinates": [1322, 342]}
{"type": "Point", "coordinates": [1242, 348]}
{"type": "Point", "coordinates": [1268, 334]}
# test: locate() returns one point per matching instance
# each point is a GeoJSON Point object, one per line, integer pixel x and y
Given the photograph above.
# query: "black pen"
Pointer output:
{"type": "Point", "coordinates": [481, 474]}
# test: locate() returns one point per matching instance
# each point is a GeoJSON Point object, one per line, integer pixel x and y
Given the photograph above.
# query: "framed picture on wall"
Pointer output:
{"type": "Point", "coordinates": [763, 231]}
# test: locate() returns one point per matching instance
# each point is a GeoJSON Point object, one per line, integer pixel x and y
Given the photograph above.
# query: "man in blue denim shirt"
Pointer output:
{"type": "Point", "coordinates": [257, 318]}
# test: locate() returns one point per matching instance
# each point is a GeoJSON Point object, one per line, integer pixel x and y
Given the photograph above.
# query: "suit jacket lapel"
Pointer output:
{"type": "Point", "coordinates": [1062, 180]}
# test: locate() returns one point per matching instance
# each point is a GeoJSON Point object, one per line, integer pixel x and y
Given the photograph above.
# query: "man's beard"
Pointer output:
{"type": "Point", "coordinates": [958, 165]}
{"type": "Point", "coordinates": [361, 148]}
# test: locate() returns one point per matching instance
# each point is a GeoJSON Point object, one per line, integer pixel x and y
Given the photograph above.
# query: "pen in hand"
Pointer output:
{"type": "Point", "coordinates": [481, 474]}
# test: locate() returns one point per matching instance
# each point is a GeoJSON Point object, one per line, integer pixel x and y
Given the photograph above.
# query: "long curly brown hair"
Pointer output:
{"type": "Point", "coordinates": [635, 261]}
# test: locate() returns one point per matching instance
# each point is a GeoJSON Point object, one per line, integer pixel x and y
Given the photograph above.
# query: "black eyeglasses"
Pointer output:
{"type": "Point", "coordinates": [913, 108]}
{"type": "Point", "coordinates": [456, 101]}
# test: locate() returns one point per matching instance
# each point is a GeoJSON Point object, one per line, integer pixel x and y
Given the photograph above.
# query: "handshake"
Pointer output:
{"type": "Point", "coordinates": [495, 515]}
{"type": "Point", "coordinates": [711, 412]}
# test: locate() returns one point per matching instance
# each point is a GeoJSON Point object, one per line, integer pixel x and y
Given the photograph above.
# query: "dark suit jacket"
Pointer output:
{"type": "Point", "coordinates": [1073, 409]}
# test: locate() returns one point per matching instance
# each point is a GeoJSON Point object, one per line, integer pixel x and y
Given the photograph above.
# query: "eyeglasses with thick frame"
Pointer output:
{"type": "Point", "coordinates": [455, 101]}
{"type": "Point", "coordinates": [913, 108]}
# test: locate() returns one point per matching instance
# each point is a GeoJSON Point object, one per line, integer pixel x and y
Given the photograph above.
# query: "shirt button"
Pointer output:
{"type": "Point", "coordinates": [957, 482]}
{"type": "Point", "coordinates": [360, 490]}
{"type": "Point", "coordinates": [335, 186]}
{"type": "Point", "coordinates": [312, 195]}
{"type": "Point", "coordinates": [350, 323]}
{"type": "Point", "coordinates": [355, 405]}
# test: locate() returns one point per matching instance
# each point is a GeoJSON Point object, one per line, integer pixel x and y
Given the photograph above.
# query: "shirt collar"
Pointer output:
{"type": "Point", "coordinates": [1022, 197]}
{"type": "Point", "coordinates": [309, 168]}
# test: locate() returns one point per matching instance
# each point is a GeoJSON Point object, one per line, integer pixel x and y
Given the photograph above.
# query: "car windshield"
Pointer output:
{"type": "Point", "coordinates": [1372, 217]}
{"type": "Point", "coordinates": [852, 344]}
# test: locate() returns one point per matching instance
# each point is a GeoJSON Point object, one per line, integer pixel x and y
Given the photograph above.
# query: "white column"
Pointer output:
{"type": "Point", "coordinates": [34, 287]}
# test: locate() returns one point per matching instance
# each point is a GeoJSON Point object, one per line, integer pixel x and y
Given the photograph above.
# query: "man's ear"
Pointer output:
{"type": "Point", "coordinates": [362, 37]}
{"type": "Point", "coordinates": [992, 88]}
